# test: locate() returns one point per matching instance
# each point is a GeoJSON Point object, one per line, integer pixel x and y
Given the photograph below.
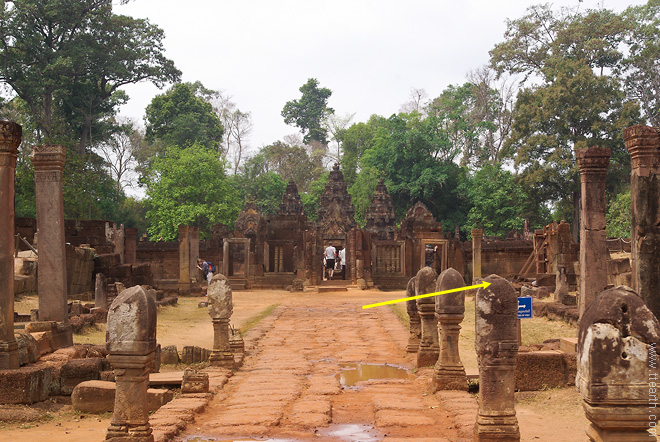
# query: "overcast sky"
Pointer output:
{"type": "Point", "coordinates": [369, 53]}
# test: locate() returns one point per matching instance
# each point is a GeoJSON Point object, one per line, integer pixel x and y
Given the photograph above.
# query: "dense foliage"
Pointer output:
{"type": "Point", "coordinates": [488, 153]}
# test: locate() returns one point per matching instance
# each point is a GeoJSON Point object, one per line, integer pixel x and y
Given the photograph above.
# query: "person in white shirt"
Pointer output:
{"type": "Point", "coordinates": [330, 253]}
{"type": "Point", "coordinates": [342, 262]}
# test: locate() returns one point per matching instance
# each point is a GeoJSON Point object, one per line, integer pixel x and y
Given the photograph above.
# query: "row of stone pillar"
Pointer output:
{"type": "Point", "coordinates": [48, 161]}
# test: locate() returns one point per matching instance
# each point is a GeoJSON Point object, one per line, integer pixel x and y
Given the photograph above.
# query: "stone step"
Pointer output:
{"type": "Point", "coordinates": [327, 288]}
{"type": "Point", "coordinates": [166, 378]}
{"type": "Point", "coordinates": [568, 345]}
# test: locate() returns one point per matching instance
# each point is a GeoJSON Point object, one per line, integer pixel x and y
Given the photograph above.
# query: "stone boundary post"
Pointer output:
{"type": "Point", "coordinates": [10, 139]}
{"type": "Point", "coordinates": [131, 344]}
{"type": "Point", "coordinates": [477, 235]}
{"type": "Point", "coordinates": [414, 320]}
{"type": "Point", "coordinates": [428, 351]}
{"type": "Point", "coordinates": [449, 373]}
{"type": "Point", "coordinates": [643, 143]}
{"type": "Point", "coordinates": [220, 310]}
{"type": "Point", "coordinates": [618, 369]}
{"type": "Point", "coordinates": [593, 246]}
{"type": "Point", "coordinates": [496, 344]}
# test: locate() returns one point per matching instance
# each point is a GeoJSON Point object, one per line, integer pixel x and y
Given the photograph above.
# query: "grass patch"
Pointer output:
{"type": "Point", "coordinates": [25, 302]}
{"type": "Point", "coordinates": [399, 309]}
{"type": "Point", "coordinates": [94, 335]}
{"type": "Point", "coordinates": [254, 320]}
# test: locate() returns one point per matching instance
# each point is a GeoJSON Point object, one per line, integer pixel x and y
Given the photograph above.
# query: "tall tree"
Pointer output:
{"type": "Point", "coordinates": [120, 151]}
{"type": "Point", "coordinates": [66, 59]}
{"type": "Point", "coordinates": [310, 112]}
{"type": "Point", "coordinates": [182, 117]}
{"type": "Point", "coordinates": [237, 125]}
{"type": "Point", "coordinates": [577, 103]}
{"type": "Point", "coordinates": [189, 186]}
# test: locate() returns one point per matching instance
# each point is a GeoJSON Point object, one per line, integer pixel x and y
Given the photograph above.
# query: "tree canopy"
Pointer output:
{"type": "Point", "coordinates": [310, 111]}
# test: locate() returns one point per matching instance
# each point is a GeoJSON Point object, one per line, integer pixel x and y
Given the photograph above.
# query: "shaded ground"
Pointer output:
{"type": "Point", "coordinates": [288, 388]}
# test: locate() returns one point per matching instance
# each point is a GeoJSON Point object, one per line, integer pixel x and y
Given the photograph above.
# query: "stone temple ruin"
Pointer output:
{"type": "Point", "coordinates": [616, 305]}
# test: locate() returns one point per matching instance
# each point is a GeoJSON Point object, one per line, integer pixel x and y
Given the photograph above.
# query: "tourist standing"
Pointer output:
{"type": "Point", "coordinates": [330, 254]}
{"type": "Point", "coordinates": [342, 262]}
{"type": "Point", "coordinates": [204, 266]}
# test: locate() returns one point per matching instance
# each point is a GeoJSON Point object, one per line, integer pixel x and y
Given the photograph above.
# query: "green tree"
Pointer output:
{"type": "Point", "coordinates": [641, 68]}
{"type": "Point", "coordinates": [496, 201]}
{"type": "Point", "coordinates": [618, 216]}
{"type": "Point", "coordinates": [189, 186]}
{"type": "Point", "coordinates": [354, 143]}
{"type": "Point", "coordinates": [578, 102]}
{"type": "Point", "coordinates": [182, 117]}
{"type": "Point", "coordinates": [66, 59]}
{"type": "Point", "coordinates": [256, 183]}
{"type": "Point", "coordinates": [311, 200]}
{"type": "Point", "coordinates": [310, 112]}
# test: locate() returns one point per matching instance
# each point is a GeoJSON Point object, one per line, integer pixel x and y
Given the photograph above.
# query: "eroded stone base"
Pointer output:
{"type": "Point", "coordinates": [496, 428]}
{"type": "Point", "coordinates": [444, 379]}
{"type": "Point", "coordinates": [122, 434]}
{"type": "Point", "coordinates": [8, 355]}
{"type": "Point", "coordinates": [599, 435]}
{"type": "Point", "coordinates": [427, 357]}
{"type": "Point", "coordinates": [224, 359]}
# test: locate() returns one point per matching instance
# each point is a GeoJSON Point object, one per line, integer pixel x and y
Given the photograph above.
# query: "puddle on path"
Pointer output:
{"type": "Point", "coordinates": [351, 374]}
{"type": "Point", "coordinates": [352, 433]}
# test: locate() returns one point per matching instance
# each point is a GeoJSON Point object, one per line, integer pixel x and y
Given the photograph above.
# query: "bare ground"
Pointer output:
{"type": "Point", "coordinates": [287, 388]}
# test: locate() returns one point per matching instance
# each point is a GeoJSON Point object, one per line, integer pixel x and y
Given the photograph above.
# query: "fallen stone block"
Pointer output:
{"type": "Point", "coordinates": [99, 397]}
{"type": "Point", "coordinates": [79, 370]}
{"type": "Point", "coordinates": [169, 355]}
{"type": "Point", "coordinates": [25, 385]}
{"type": "Point", "coordinates": [540, 370]}
{"type": "Point", "coordinates": [44, 342]}
{"type": "Point", "coordinates": [28, 349]}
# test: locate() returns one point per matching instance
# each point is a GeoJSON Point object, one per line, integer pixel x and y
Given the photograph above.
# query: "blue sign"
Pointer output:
{"type": "Point", "coordinates": [524, 307]}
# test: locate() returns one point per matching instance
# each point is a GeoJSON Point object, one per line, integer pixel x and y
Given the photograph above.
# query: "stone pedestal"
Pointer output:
{"type": "Point", "coordinates": [449, 373]}
{"type": "Point", "coordinates": [593, 246]}
{"type": "Point", "coordinates": [561, 285]}
{"type": "Point", "coordinates": [428, 351]}
{"type": "Point", "coordinates": [477, 234]}
{"type": "Point", "coordinates": [131, 344]}
{"type": "Point", "coordinates": [184, 259]}
{"type": "Point", "coordinates": [617, 367]}
{"type": "Point", "coordinates": [643, 143]}
{"type": "Point", "coordinates": [10, 138]}
{"type": "Point", "coordinates": [413, 319]}
{"type": "Point", "coordinates": [220, 310]}
{"type": "Point", "coordinates": [496, 344]}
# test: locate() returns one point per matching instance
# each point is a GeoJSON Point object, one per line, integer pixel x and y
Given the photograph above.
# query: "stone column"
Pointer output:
{"type": "Point", "coordinates": [220, 310]}
{"type": "Point", "coordinates": [617, 367]}
{"type": "Point", "coordinates": [10, 138]}
{"type": "Point", "coordinates": [194, 253]}
{"type": "Point", "coordinates": [414, 320]}
{"type": "Point", "coordinates": [48, 161]}
{"type": "Point", "coordinates": [184, 259]}
{"type": "Point", "coordinates": [643, 143]}
{"type": "Point", "coordinates": [131, 344]}
{"type": "Point", "coordinates": [593, 247]}
{"type": "Point", "coordinates": [427, 354]}
{"type": "Point", "coordinates": [477, 234]}
{"type": "Point", "coordinates": [130, 245]}
{"type": "Point", "coordinates": [449, 373]}
{"type": "Point", "coordinates": [496, 344]}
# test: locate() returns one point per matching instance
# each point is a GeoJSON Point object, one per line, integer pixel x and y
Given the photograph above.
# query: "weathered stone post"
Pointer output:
{"type": "Point", "coordinates": [427, 354]}
{"type": "Point", "coordinates": [477, 234]}
{"type": "Point", "coordinates": [643, 143]}
{"type": "Point", "coordinates": [10, 138]}
{"type": "Point", "coordinates": [184, 259]}
{"type": "Point", "coordinates": [496, 344]}
{"type": "Point", "coordinates": [414, 320]}
{"type": "Point", "coordinates": [131, 344]}
{"type": "Point", "coordinates": [101, 291]}
{"type": "Point", "coordinates": [194, 253]}
{"type": "Point", "coordinates": [449, 373]}
{"type": "Point", "coordinates": [130, 245]}
{"type": "Point", "coordinates": [593, 246]}
{"type": "Point", "coordinates": [617, 367]}
{"type": "Point", "coordinates": [48, 161]}
{"type": "Point", "coordinates": [220, 310]}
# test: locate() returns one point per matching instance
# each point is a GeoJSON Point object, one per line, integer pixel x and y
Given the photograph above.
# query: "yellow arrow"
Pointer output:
{"type": "Point", "coordinates": [428, 295]}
